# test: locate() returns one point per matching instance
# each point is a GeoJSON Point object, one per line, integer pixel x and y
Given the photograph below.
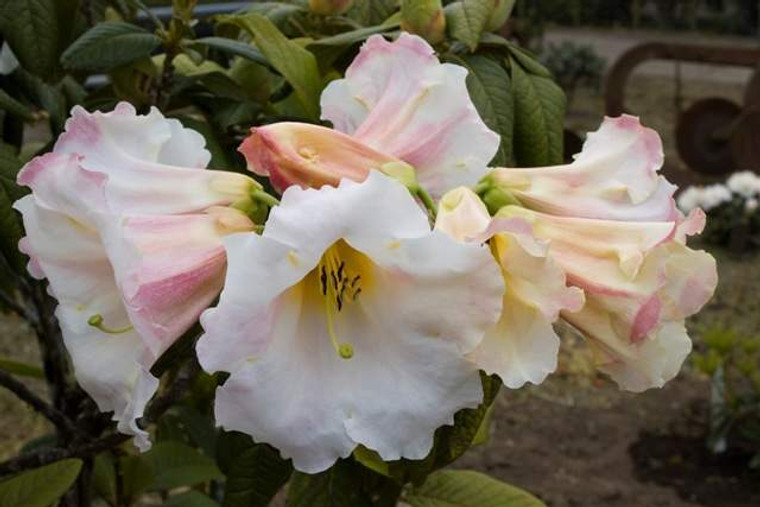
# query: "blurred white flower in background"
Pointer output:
{"type": "Point", "coordinates": [745, 183]}
{"type": "Point", "coordinates": [751, 205]}
{"type": "Point", "coordinates": [690, 198]}
{"type": "Point", "coordinates": [707, 198]}
{"type": "Point", "coordinates": [714, 195]}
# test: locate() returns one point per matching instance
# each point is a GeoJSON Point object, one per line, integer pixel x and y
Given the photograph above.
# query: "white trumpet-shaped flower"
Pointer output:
{"type": "Point", "coordinates": [347, 322]}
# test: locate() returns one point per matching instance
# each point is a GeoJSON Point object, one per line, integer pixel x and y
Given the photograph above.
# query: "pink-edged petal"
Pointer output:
{"type": "Point", "coordinates": [113, 369]}
{"type": "Point", "coordinates": [423, 296]}
{"type": "Point", "coordinates": [399, 99]}
{"type": "Point", "coordinates": [522, 347]}
{"type": "Point", "coordinates": [169, 268]}
{"type": "Point", "coordinates": [649, 364]}
{"type": "Point", "coordinates": [640, 281]}
{"type": "Point", "coordinates": [614, 177]}
{"type": "Point", "coordinates": [59, 182]}
{"type": "Point", "coordinates": [143, 157]}
{"type": "Point", "coordinates": [308, 155]}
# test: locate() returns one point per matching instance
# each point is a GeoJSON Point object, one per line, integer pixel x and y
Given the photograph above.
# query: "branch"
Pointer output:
{"type": "Point", "coordinates": [53, 454]}
{"type": "Point", "coordinates": [155, 410]}
{"type": "Point", "coordinates": [51, 414]}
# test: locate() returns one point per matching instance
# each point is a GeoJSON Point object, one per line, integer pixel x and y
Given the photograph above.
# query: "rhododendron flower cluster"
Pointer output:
{"type": "Point", "coordinates": [353, 315]}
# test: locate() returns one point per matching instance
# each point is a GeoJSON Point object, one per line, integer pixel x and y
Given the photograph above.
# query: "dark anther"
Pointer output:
{"type": "Point", "coordinates": [356, 294]}
{"type": "Point", "coordinates": [340, 270]}
{"type": "Point", "coordinates": [323, 281]}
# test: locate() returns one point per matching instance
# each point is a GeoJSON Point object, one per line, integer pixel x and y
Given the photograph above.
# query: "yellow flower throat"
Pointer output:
{"type": "Point", "coordinates": [340, 283]}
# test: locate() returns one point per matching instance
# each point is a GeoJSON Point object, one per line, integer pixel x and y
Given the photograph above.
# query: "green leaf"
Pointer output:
{"type": "Point", "coordinates": [491, 91]}
{"type": "Point", "coordinates": [190, 499]}
{"type": "Point", "coordinates": [297, 65]}
{"type": "Point", "coordinates": [175, 464]}
{"type": "Point", "coordinates": [539, 119]}
{"type": "Point", "coordinates": [104, 477]}
{"type": "Point", "coordinates": [255, 472]}
{"type": "Point", "coordinates": [45, 96]}
{"type": "Point", "coordinates": [9, 220]}
{"type": "Point", "coordinates": [40, 487]}
{"type": "Point", "coordinates": [137, 475]}
{"type": "Point", "coordinates": [13, 106]}
{"type": "Point", "coordinates": [232, 47]}
{"type": "Point", "coordinates": [465, 488]}
{"type": "Point", "coordinates": [37, 31]}
{"type": "Point", "coordinates": [528, 62]}
{"type": "Point", "coordinates": [109, 45]}
{"type": "Point", "coordinates": [327, 50]}
{"type": "Point", "coordinates": [484, 431]}
{"type": "Point", "coordinates": [278, 13]}
{"type": "Point", "coordinates": [21, 369]}
{"type": "Point", "coordinates": [374, 12]}
{"type": "Point", "coordinates": [221, 157]}
{"type": "Point", "coordinates": [466, 20]}
{"type": "Point", "coordinates": [346, 483]}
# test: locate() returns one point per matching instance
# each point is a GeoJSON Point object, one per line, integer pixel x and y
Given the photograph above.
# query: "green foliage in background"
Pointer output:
{"type": "Point", "coordinates": [732, 361]}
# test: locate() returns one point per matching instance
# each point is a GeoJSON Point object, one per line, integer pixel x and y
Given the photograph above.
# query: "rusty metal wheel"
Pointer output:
{"type": "Point", "coordinates": [745, 140]}
{"type": "Point", "coordinates": [703, 135]}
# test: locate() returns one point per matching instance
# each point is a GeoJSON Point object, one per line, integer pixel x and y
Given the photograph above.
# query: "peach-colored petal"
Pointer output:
{"type": "Point", "coordinates": [169, 268]}
{"type": "Point", "coordinates": [522, 347]}
{"type": "Point", "coordinates": [308, 155]}
{"type": "Point", "coordinates": [614, 177]}
{"type": "Point", "coordinates": [462, 215]}
{"type": "Point", "coordinates": [639, 280]}
{"type": "Point", "coordinates": [153, 164]}
{"type": "Point", "coordinates": [399, 99]}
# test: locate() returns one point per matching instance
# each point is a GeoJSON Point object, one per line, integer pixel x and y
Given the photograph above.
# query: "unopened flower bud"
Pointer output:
{"type": "Point", "coordinates": [500, 14]}
{"type": "Point", "coordinates": [330, 7]}
{"type": "Point", "coordinates": [401, 172]}
{"type": "Point", "coordinates": [461, 214]}
{"type": "Point", "coordinates": [424, 18]}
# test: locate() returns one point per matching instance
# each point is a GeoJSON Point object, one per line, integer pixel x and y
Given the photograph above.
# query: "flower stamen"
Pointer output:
{"type": "Point", "coordinates": [338, 287]}
{"type": "Point", "coordinates": [96, 321]}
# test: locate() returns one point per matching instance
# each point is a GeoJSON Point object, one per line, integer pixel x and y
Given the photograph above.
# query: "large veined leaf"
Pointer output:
{"type": "Point", "coordinates": [466, 20]}
{"type": "Point", "coordinates": [40, 487]}
{"type": "Point", "coordinates": [37, 31]}
{"type": "Point", "coordinates": [539, 118]}
{"type": "Point", "coordinates": [175, 464]}
{"type": "Point", "coordinates": [296, 64]}
{"type": "Point", "coordinates": [255, 472]}
{"type": "Point", "coordinates": [465, 488]}
{"type": "Point", "coordinates": [372, 12]}
{"type": "Point", "coordinates": [491, 91]}
{"type": "Point", "coordinates": [109, 45]}
{"type": "Point", "coordinates": [528, 62]}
